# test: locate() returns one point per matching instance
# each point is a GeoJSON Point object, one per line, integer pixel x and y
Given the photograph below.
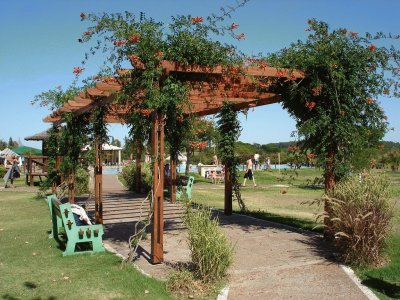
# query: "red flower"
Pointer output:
{"type": "Point", "coordinates": [233, 71]}
{"type": "Point", "coordinates": [370, 100]}
{"type": "Point", "coordinates": [262, 64]}
{"type": "Point", "coordinates": [197, 20]}
{"type": "Point", "coordinates": [310, 155]}
{"type": "Point", "coordinates": [316, 91]}
{"type": "Point", "coordinates": [135, 59]}
{"type": "Point", "coordinates": [134, 38]}
{"type": "Point", "coordinates": [82, 15]}
{"type": "Point", "coordinates": [146, 112]}
{"type": "Point", "coordinates": [78, 70]}
{"type": "Point", "coordinates": [279, 73]}
{"type": "Point", "coordinates": [310, 105]}
{"type": "Point", "coordinates": [233, 26]}
{"type": "Point", "coordinates": [372, 47]}
{"type": "Point", "coordinates": [159, 54]}
{"type": "Point", "coordinates": [241, 36]}
{"type": "Point", "coordinates": [119, 43]}
{"type": "Point", "coordinates": [293, 148]}
{"type": "Point", "coordinates": [353, 33]}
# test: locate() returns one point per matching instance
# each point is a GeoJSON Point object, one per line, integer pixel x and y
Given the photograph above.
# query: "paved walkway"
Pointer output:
{"type": "Point", "coordinates": [271, 261]}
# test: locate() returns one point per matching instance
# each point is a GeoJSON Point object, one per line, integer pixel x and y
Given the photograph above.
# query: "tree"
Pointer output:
{"type": "Point", "coordinates": [335, 105]}
{"type": "Point", "coordinates": [11, 143]}
{"type": "Point", "coordinates": [115, 142]}
{"type": "Point", "coordinates": [3, 144]}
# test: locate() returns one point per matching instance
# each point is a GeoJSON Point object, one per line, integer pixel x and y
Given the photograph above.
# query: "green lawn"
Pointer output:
{"type": "Point", "coordinates": [267, 200]}
{"type": "Point", "coordinates": [32, 266]}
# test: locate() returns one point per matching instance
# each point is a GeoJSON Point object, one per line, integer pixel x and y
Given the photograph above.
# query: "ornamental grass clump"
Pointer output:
{"type": "Point", "coordinates": [360, 215]}
{"type": "Point", "coordinates": [211, 252]}
{"type": "Point", "coordinates": [128, 174]}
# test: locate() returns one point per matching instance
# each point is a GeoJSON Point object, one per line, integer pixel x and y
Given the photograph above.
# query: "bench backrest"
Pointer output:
{"type": "Point", "coordinates": [187, 188]}
{"type": "Point", "coordinates": [63, 212]}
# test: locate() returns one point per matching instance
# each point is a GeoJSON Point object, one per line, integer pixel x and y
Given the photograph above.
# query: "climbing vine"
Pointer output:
{"type": "Point", "coordinates": [52, 151]}
{"type": "Point", "coordinates": [335, 105]}
{"type": "Point", "coordinates": [145, 43]}
{"type": "Point", "coordinates": [73, 137]}
{"type": "Point", "coordinates": [229, 129]}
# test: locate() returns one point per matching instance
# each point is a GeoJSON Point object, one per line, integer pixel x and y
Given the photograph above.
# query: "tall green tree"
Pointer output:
{"type": "Point", "coordinates": [12, 143]}
{"type": "Point", "coordinates": [335, 105]}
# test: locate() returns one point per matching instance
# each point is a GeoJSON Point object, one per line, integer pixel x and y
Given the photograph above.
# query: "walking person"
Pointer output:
{"type": "Point", "coordinates": [249, 172]}
{"type": "Point", "coordinates": [13, 172]}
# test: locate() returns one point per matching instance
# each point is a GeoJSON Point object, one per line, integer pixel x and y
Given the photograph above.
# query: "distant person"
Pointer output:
{"type": "Point", "coordinates": [215, 160]}
{"type": "Point", "coordinates": [249, 172]}
{"type": "Point", "coordinates": [267, 163]}
{"type": "Point", "coordinates": [256, 160]}
{"type": "Point", "coordinates": [13, 172]}
{"type": "Point", "coordinates": [80, 215]}
{"type": "Point", "coordinates": [167, 175]}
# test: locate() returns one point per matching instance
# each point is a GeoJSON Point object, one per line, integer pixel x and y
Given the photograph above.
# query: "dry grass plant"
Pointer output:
{"type": "Point", "coordinates": [360, 215]}
{"type": "Point", "coordinates": [211, 251]}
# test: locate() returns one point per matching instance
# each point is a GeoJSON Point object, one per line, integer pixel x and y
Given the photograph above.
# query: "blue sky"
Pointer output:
{"type": "Point", "coordinates": [39, 49]}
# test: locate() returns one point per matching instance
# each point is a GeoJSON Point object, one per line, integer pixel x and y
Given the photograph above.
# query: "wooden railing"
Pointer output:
{"type": "Point", "coordinates": [36, 166]}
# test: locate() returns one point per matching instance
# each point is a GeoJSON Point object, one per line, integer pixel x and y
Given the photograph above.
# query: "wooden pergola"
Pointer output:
{"type": "Point", "coordinates": [210, 87]}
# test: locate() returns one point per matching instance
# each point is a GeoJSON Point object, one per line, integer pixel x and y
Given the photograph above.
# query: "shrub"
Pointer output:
{"type": "Point", "coordinates": [211, 251]}
{"type": "Point", "coordinates": [360, 216]}
{"type": "Point", "coordinates": [128, 174]}
{"type": "Point", "coordinates": [81, 181]}
{"type": "Point", "coordinates": [3, 171]}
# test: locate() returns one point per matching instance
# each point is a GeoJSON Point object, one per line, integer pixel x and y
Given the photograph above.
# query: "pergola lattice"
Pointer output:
{"type": "Point", "coordinates": [210, 87]}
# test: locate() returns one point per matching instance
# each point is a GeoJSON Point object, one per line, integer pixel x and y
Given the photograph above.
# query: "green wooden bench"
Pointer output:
{"type": "Point", "coordinates": [64, 228]}
{"type": "Point", "coordinates": [184, 186]}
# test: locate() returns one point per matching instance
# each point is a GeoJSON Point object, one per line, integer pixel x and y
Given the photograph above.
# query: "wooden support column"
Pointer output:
{"type": "Point", "coordinates": [173, 182]}
{"type": "Point", "coordinates": [138, 173]}
{"type": "Point", "coordinates": [157, 147]}
{"type": "Point", "coordinates": [228, 190]}
{"type": "Point", "coordinates": [98, 183]}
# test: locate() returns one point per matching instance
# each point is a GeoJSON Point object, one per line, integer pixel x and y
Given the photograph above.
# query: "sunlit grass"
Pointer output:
{"type": "Point", "coordinates": [32, 266]}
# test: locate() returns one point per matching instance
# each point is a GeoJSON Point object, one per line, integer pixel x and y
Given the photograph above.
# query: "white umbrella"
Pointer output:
{"type": "Point", "coordinates": [7, 152]}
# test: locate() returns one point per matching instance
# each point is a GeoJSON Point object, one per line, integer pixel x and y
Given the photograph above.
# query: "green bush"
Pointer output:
{"type": "Point", "coordinates": [128, 174]}
{"type": "Point", "coordinates": [82, 181]}
{"type": "Point", "coordinates": [211, 252]}
{"type": "Point", "coordinates": [360, 215]}
{"type": "Point", "coordinates": [3, 171]}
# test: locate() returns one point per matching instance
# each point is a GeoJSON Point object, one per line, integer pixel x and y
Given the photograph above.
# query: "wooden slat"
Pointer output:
{"type": "Point", "coordinates": [108, 87]}
{"type": "Point", "coordinates": [75, 104]}
{"type": "Point", "coordinates": [83, 100]}
{"type": "Point", "coordinates": [96, 92]}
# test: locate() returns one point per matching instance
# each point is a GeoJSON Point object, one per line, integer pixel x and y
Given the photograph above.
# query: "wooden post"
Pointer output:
{"type": "Point", "coordinates": [157, 147]}
{"type": "Point", "coordinates": [228, 190]}
{"type": "Point", "coordinates": [173, 182]}
{"type": "Point", "coordinates": [138, 173]}
{"type": "Point", "coordinates": [98, 183]}
{"type": "Point", "coordinates": [30, 171]}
